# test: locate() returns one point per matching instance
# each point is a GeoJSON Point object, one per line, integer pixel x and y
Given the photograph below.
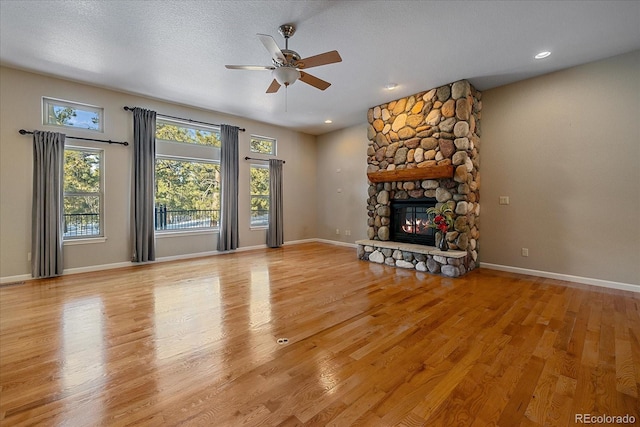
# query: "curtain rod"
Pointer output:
{"type": "Point", "coordinates": [125, 143]}
{"type": "Point", "coordinates": [166, 116]}
{"type": "Point", "coordinates": [261, 160]}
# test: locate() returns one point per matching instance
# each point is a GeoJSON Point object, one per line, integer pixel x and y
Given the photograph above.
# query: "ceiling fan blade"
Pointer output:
{"type": "Point", "coordinates": [250, 67]}
{"type": "Point", "coordinates": [321, 59]}
{"type": "Point", "coordinates": [273, 87]}
{"type": "Point", "coordinates": [272, 47]}
{"type": "Point", "coordinates": [314, 81]}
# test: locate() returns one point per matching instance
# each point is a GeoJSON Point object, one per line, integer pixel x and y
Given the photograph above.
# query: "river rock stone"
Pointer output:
{"type": "Point", "coordinates": [447, 147]}
{"type": "Point", "coordinates": [450, 271]}
{"type": "Point", "coordinates": [432, 266]}
{"type": "Point", "coordinates": [418, 156]}
{"type": "Point", "coordinates": [461, 208]}
{"type": "Point", "coordinates": [430, 184]}
{"type": "Point", "coordinates": [383, 197]}
{"type": "Point", "coordinates": [460, 174]}
{"type": "Point", "coordinates": [461, 129]}
{"type": "Point", "coordinates": [462, 109]}
{"type": "Point", "coordinates": [459, 158]}
{"type": "Point", "coordinates": [443, 93]}
{"type": "Point", "coordinates": [443, 195]}
{"type": "Point", "coordinates": [460, 89]}
{"type": "Point", "coordinates": [406, 133]}
{"type": "Point", "coordinates": [433, 118]}
{"type": "Point", "coordinates": [400, 106]}
{"type": "Point", "coordinates": [404, 264]}
{"type": "Point", "coordinates": [417, 108]}
{"type": "Point", "coordinates": [383, 233]}
{"type": "Point", "coordinates": [400, 156]}
{"type": "Point", "coordinates": [428, 143]}
{"type": "Point", "coordinates": [415, 120]}
{"type": "Point", "coordinates": [412, 143]}
{"type": "Point", "coordinates": [421, 266]}
{"type": "Point", "coordinates": [399, 122]}
{"type": "Point", "coordinates": [461, 143]}
{"type": "Point", "coordinates": [391, 149]}
{"type": "Point", "coordinates": [386, 114]}
{"type": "Point", "coordinates": [381, 140]}
{"type": "Point", "coordinates": [448, 109]}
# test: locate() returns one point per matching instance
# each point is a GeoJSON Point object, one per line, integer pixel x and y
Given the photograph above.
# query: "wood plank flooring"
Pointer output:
{"type": "Point", "coordinates": [195, 343]}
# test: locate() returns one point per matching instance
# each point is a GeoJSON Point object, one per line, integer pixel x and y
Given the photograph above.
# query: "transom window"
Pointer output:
{"type": "Point", "coordinates": [83, 204]}
{"type": "Point", "coordinates": [177, 131]}
{"type": "Point", "coordinates": [57, 112]}
{"type": "Point", "coordinates": [263, 145]}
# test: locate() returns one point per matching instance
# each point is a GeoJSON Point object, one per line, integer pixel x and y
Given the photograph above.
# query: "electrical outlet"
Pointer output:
{"type": "Point", "coordinates": [337, 231]}
{"type": "Point", "coordinates": [347, 232]}
{"type": "Point", "coordinates": [504, 200]}
{"type": "Point", "coordinates": [525, 252]}
{"type": "Point", "coordinates": [28, 256]}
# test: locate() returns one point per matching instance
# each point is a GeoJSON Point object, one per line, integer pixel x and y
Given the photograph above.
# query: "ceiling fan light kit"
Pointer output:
{"type": "Point", "coordinates": [288, 63]}
{"type": "Point", "coordinates": [286, 75]}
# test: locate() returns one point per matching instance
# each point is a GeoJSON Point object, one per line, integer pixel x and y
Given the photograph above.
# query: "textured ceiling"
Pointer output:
{"type": "Point", "coordinates": [176, 50]}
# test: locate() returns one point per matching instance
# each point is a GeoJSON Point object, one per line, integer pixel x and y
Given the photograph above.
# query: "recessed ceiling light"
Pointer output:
{"type": "Point", "coordinates": [391, 86]}
{"type": "Point", "coordinates": [542, 55]}
{"type": "Point", "coordinates": [328, 121]}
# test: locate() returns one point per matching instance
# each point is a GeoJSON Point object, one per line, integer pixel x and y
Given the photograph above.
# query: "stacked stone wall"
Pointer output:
{"type": "Point", "coordinates": [437, 127]}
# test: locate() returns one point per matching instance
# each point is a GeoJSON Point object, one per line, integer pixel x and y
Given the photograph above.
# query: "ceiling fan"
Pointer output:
{"type": "Point", "coordinates": [287, 64]}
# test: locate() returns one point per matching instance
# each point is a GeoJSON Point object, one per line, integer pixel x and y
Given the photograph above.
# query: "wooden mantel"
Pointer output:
{"type": "Point", "coordinates": [431, 172]}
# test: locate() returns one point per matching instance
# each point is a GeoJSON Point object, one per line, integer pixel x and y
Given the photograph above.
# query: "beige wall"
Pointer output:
{"type": "Point", "coordinates": [20, 107]}
{"type": "Point", "coordinates": [565, 147]}
{"type": "Point", "coordinates": [342, 184]}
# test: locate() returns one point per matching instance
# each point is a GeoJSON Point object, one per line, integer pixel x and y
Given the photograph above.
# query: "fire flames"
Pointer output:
{"type": "Point", "coordinates": [420, 226]}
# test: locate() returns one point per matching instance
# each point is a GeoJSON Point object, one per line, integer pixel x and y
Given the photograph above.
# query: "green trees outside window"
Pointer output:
{"type": "Point", "coordinates": [82, 193]}
{"type": "Point", "coordinates": [259, 183]}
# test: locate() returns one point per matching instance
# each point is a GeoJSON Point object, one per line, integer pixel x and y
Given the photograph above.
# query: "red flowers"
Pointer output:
{"type": "Point", "coordinates": [441, 223]}
{"type": "Point", "coordinates": [442, 219]}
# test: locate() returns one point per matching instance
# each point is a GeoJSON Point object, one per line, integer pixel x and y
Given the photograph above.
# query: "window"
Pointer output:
{"type": "Point", "coordinates": [82, 193]}
{"type": "Point", "coordinates": [175, 131]}
{"type": "Point", "coordinates": [56, 112]}
{"type": "Point", "coordinates": [263, 145]}
{"type": "Point", "coordinates": [187, 193]}
{"type": "Point", "coordinates": [259, 195]}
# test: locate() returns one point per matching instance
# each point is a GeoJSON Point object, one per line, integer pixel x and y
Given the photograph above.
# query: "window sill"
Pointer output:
{"type": "Point", "coordinates": [161, 234]}
{"type": "Point", "coordinates": [88, 241]}
{"type": "Point", "coordinates": [258, 227]}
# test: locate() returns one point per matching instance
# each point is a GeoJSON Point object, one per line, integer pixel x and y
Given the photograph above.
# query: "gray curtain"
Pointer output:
{"type": "Point", "coordinates": [228, 239]}
{"type": "Point", "coordinates": [47, 206]}
{"type": "Point", "coordinates": [144, 158]}
{"type": "Point", "coordinates": [275, 233]}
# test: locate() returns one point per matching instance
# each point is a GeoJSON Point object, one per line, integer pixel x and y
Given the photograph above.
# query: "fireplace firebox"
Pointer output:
{"type": "Point", "coordinates": [409, 221]}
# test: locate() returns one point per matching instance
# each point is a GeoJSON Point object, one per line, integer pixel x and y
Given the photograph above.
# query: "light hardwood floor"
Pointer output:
{"type": "Point", "coordinates": [195, 343]}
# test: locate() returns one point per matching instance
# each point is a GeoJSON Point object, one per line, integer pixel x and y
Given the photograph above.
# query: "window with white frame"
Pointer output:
{"type": "Point", "coordinates": [83, 194]}
{"type": "Point", "coordinates": [58, 112]}
{"type": "Point", "coordinates": [263, 145]}
{"type": "Point", "coordinates": [187, 192]}
{"type": "Point", "coordinates": [259, 194]}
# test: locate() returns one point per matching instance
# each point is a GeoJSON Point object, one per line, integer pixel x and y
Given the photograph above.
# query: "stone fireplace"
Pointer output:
{"type": "Point", "coordinates": [424, 147]}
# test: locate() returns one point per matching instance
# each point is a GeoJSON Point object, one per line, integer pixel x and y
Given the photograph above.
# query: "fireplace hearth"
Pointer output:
{"type": "Point", "coordinates": [409, 221]}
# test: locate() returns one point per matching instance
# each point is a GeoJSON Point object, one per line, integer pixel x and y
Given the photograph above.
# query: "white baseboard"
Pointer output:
{"type": "Point", "coordinates": [337, 243]}
{"type": "Point", "coordinates": [92, 268]}
{"type": "Point", "coordinates": [13, 279]}
{"type": "Point", "coordinates": [566, 277]}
